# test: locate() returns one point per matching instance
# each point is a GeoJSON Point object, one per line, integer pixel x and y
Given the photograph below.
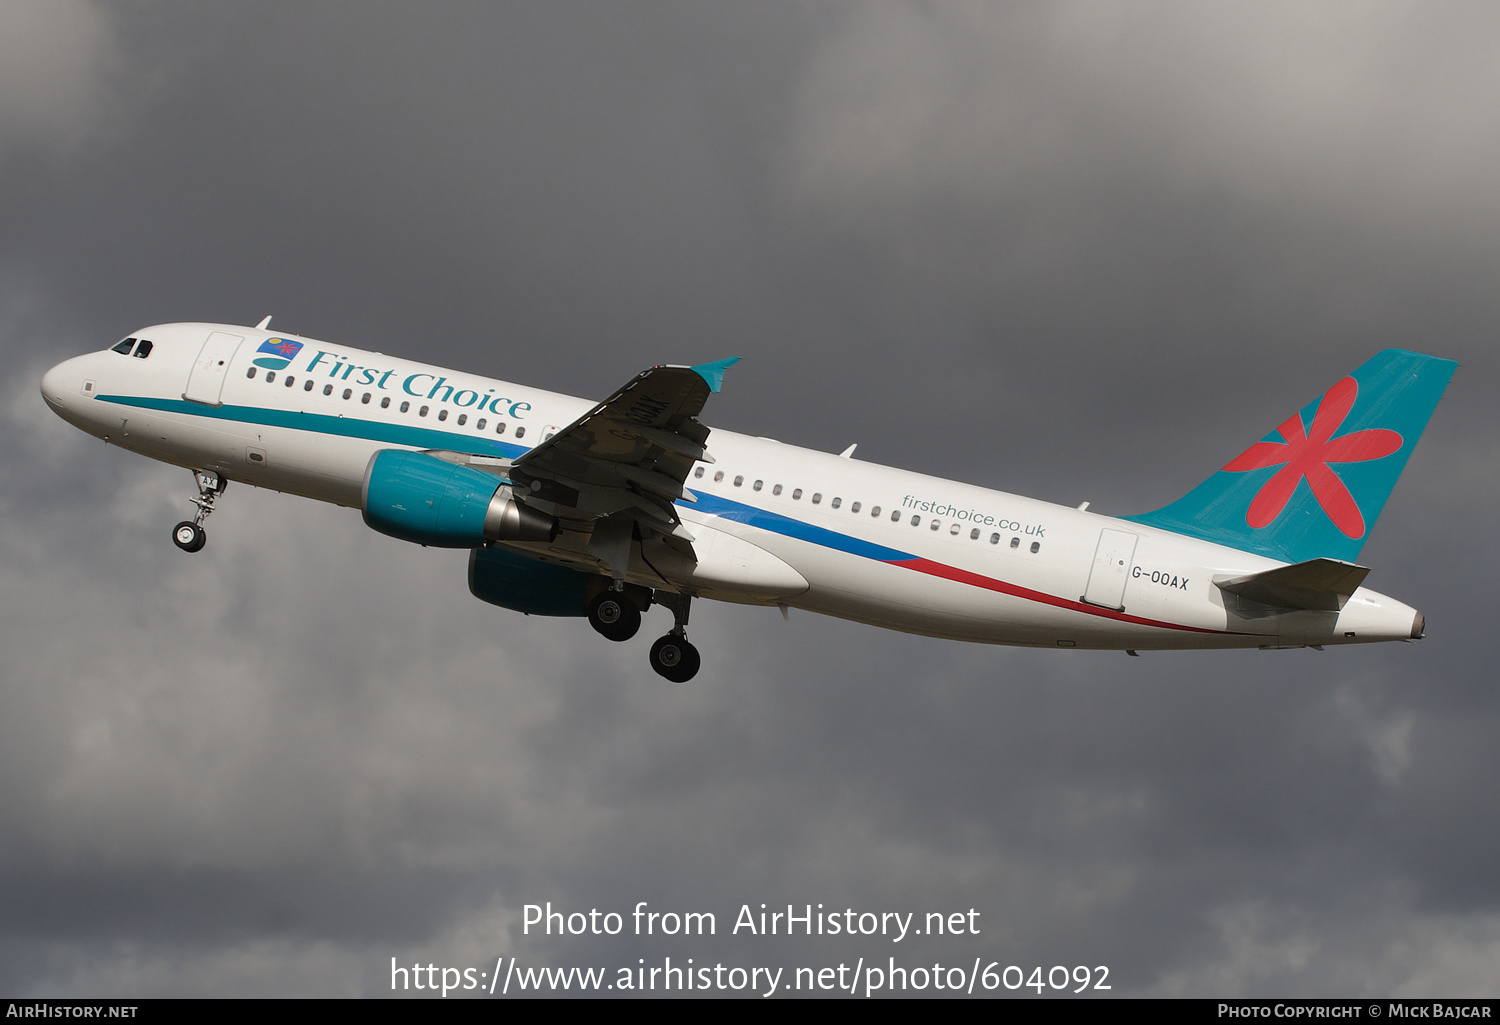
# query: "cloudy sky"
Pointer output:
{"type": "Point", "coordinates": [1080, 251]}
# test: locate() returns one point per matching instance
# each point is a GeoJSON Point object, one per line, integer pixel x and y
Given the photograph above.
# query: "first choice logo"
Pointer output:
{"type": "Point", "coordinates": [278, 353]}
{"type": "Point", "coordinates": [341, 368]}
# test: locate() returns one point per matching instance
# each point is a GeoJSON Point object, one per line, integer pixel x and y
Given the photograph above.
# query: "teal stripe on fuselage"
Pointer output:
{"type": "Point", "coordinates": [340, 426]}
{"type": "Point", "coordinates": [428, 438]}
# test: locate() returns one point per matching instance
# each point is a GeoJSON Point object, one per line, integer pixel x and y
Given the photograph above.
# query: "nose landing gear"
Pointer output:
{"type": "Point", "coordinates": [189, 535]}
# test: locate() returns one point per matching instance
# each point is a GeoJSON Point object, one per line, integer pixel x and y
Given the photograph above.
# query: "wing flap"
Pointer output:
{"type": "Point", "coordinates": [625, 462]}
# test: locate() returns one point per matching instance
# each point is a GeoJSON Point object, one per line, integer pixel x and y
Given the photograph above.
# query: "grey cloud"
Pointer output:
{"type": "Point", "coordinates": [58, 60]}
{"type": "Point", "coordinates": [1324, 110]}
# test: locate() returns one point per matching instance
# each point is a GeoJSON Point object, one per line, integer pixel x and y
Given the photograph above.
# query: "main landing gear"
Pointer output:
{"type": "Point", "coordinates": [614, 615]}
{"type": "Point", "coordinates": [673, 656]}
{"type": "Point", "coordinates": [189, 535]}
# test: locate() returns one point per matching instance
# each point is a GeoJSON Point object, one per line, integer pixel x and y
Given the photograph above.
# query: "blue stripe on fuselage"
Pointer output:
{"type": "Point", "coordinates": [425, 437]}
{"type": "Point", "coordinates": [785, 525]}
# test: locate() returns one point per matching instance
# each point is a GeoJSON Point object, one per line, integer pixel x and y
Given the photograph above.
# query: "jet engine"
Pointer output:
{"type": "Point", "coordinates": [421, 498]}
{"type": "Point", "coordinates": [529, 585]}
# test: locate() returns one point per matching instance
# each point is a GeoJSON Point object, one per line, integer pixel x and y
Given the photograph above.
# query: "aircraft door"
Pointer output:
{"type": "Point", "coordinates": [206, 379]}
{"type": "Point", "coordinates": [1111, 569]}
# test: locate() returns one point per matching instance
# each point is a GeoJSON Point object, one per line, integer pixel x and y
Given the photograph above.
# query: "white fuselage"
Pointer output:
{"type": "Point", "coordinates": [774, 524]}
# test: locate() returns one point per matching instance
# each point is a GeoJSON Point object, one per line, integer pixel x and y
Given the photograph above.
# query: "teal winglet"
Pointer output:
{"type": "Point", "coordinates": [713, 372]}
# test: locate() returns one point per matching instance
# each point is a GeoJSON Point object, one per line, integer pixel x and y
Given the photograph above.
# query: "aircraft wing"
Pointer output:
{"type": "Point", "coordinates": [619, 469]}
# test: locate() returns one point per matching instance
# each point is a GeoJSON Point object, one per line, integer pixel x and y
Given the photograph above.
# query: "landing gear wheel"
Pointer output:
{"type": "Point", "coordinates": [188, 536]}
{"type": "Point", "coordinates": [615, 616]}
{"type": "Point", "coordinates": [675, 658]}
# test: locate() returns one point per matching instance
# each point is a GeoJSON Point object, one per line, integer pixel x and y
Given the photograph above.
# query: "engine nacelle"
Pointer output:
{"type": "Point", "coordinates": [529, 585]}
{"type": "Point", "coordinates": [418, 497]}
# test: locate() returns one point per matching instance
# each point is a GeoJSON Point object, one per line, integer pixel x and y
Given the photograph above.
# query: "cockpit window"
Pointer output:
{"type": "Point", "coordinates": [141, 351]}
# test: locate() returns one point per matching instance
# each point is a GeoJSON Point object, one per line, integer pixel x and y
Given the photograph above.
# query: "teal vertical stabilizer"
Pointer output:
{"type": "Point", "coordinates": [1314, 487]}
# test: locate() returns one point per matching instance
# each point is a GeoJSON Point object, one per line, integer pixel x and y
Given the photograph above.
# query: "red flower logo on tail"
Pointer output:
{"type": "Point", "coordinates": [1307, 454]}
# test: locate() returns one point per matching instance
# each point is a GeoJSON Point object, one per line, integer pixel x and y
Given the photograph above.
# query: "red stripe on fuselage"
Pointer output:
{"type": "Point", "coordinates": [938, 569]}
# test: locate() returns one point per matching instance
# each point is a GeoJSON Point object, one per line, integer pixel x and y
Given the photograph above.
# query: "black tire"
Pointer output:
{"type": "Point", "coordinates": [675, 658]}
{"type": "Point", "coordinates": [188, 536]}
{"type": "Point", "coordinates": [615, 616]}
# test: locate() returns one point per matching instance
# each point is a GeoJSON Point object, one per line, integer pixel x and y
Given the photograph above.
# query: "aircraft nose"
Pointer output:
{"type": "Point", "coordinates": [62, 382]}
{"type": "Point", "coordinates": [51, 381]}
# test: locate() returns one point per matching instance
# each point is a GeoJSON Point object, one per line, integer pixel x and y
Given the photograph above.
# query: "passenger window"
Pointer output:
{"type": "Point", "coordinates": [738, 481]}
{"type": "Point", "coordinates": [463, 418]}
{"type": "Point", "coordinates": [699, 471]}
{"type": "Point", "coordinates": [875, 512]}
{"type": "Point", "coordinates": [935, 524]}
{"type": "Point", "coordinates": [1036, 546]}
{"type": "Point", "coordinates": [916, 521]}
{"type": "Point", "coordinates": [500, 427]}
{"type": "Point", "coordinates": [835, 503]}
{"type": "Point", "coordinates": [776, 490]}
{"type": "Point", "coordinates": [953, 530]}
{"type": "Point", "coordinates": [250, 373]}
{"type": "Point", "coordinates": [405, 406]}
{"type": "Point", "coordinates": [480, 425]}
{"type": "Point", "coordinates": [385, 402]}
{"type": "Point", "coordinates": [796, 494]}
{"type": "Point", "coordinates": [974, 534]}
{"type": "Point", "coordinates": [817, 497]}
{"type": "Point", "coordinates": [309, 385]}
{"type": "Point", "coordinates": [348, 392]}
{"type": "Point", "coordinates": [290, 380]}
{"type": "Point", "coordinates": [328, 389]}
{"type": "Point", "coordinates": [994, 539]}
{"type": "Point", "coordinates": [520, 432]}
{"type": "Point", "coordinates": [756, 486]}
{"type": "Point", "coordinates": [422, 411]}
{"type": "Point", "coordinates": [442, 415]}
{"type": "Point", "coordinates": [143, 350]}
{"type": "Point", "coordinates": [124, 347]}
{"type": "Point", "coordinates": [270, 377]}
{"type": "Point", "coordinates": [895, 515]}
{"type": "Point", "coordinates": [718, 476]}
{"type": "Point", "coordinates": [365, 399]}
{"type": "Point", "coordinates": [1015, 542]}
{"type": "Point", "coordinates": [854, 508]}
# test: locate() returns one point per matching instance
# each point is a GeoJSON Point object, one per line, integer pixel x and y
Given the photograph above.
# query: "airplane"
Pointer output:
{"type": "Point", "coordinates": [602, 510]}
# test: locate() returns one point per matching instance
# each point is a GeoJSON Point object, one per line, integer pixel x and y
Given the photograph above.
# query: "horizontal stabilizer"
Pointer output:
{"type": "Point", "coordinates": [1321, 584]}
